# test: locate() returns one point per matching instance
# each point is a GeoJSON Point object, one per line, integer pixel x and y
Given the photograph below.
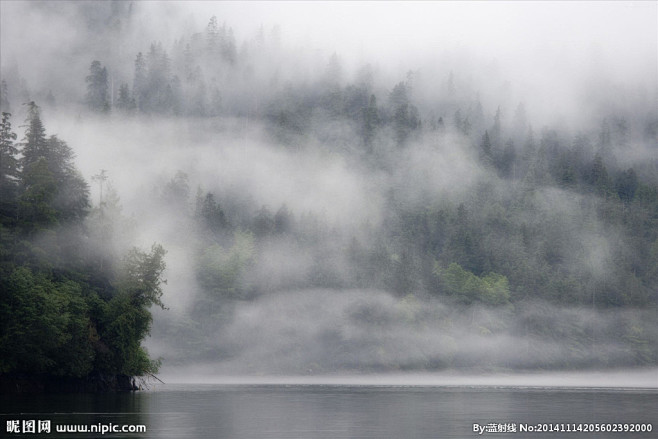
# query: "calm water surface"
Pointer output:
{"type": "Point", "coordinates": [336, 411]}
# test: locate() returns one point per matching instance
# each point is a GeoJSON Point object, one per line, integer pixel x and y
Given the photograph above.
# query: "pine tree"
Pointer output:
{"type": "Point", "coordinates": [4, 98]}
{"type": "Point", "coordinates": [486, 150]}
{"type": "Point", "coordinates": [229, 50]}
{"type": "Point", "coordinates": [370, 121]}
{"type": "Point", "coordinates": [495, 129]}
{"type": "Point", "coordinates": [34, 143]}
{"type": "Point", "coordinates": [51, 187]}
{"type": "Point", "coordinates": [9, 170]}
{"type": "Point", "coordinates": [139, 82]}
{"type": "Point", "coordinates": [125, 102]}
{"type": "Point", "coordinates": [598, 176]}
{"type": "Point", "coordinates": [97, 95]}
{"type": "Point", "coordinates": [212, 37]}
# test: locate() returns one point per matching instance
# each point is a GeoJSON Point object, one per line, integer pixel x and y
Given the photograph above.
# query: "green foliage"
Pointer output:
{"type": "Point", "coordinates": [36, 209]}
{"type": "Point", "coordinates": [45, 326]}
{"type": "Point", "coordinates": [491, 289]}
{"type": "Point", "coordinates": [124, 325]}
{"type": "Point", "coordinates": [52, 319]}
{"type": "Point", "coordinates": [8, 151]}
{"type": "Point", "coordinates": [9, 171]}
{"type": "Point", "coordinates": [220, 270]}
{"type": "Point", "coordinates": [141, 277]}
{"type": "Point", "coordinates": [34, 143]}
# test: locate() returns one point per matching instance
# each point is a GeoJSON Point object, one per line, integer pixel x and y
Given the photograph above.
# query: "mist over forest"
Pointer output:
{"type": "Point", "coordinates": [328, 187]}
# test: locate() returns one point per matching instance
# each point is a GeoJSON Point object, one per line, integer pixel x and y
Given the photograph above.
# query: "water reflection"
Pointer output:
{"type": "Point", "coordinates": [335, 411]}
{"type": "Point", "coordinates": [379, 412]}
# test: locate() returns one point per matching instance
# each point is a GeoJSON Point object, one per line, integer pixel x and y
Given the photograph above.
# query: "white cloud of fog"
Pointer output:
{"type": "Point", "coordinates": [328, 331]}
{"type": "Point", "coordinates": [307, 179]}
{"type": "Point", "coordinates": [547, 50]}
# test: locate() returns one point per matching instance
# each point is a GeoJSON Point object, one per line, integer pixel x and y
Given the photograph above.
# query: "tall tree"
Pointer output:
{"type": "Point", "coordinates": [52, 188]}
{"type": "Point", "coordinates": [370, 121]}
{"type": "Point", "coordinates": [139, 82]}
{"type": "Point", "coordinates": [212, 37]}
{"type": "Point", "coordinates": [598, 176]}
{"type": "Point", "coordinates": [125, 102]}
{"type": "Point", "coordinates": [5, 106]}
{"type": "Point", "coordinates": [97, 94]}
{"type": "Point", "coordinates": [9, 170]}
{"type": "Point", "coordinates": [486, 150]}
{"type": "Point", "coordinates": [34, 143]}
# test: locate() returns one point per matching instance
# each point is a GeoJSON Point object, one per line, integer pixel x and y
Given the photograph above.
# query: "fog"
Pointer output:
{"type": "Point", "coordinates": [623, 379]}
{"type": "Point", "coordinates": [333, 249]}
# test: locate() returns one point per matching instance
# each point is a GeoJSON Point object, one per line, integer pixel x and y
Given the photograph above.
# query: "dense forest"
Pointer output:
{"type": "Point", "coordinates": [466, 232]}
{"type": "Point", "coordinates": [67, 311]}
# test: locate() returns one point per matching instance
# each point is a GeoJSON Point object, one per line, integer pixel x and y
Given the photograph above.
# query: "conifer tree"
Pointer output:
{"type": "Point", "coordinates": [34, 143]}
{"type": "Point", "coordinates": [97, 95]}
{"type": "Point", "coordinates": [139, 82]}
{"type": "Point", "coordinates": [4, 97]}
{"type": "Point", "coordinates": [9, 170]}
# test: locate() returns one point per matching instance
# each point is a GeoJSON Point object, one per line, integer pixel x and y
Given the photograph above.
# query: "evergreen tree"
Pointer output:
{"type": "Point", "coordinates": [5, 106]}
{"type": "Point", "coordinates": [35, 209]}
{"type": "Point", "coordinates": [496, 129]}
{"type": "Point", "coordinates": [9, 170]}
{"type": "Point", "coordinates": [229, 51]}
{"type": "Point", "coordinates": [486, 150]}
{"type": "Point", "coordinates": [52, 188]}
{"type": "Point", "coordinates": [598, 176]}
{"type": "Point", "coordinates": [210, 214]}
{"type": "Point", "coordinates": [72, 196]}
{"type": "Point", "coordinates": [139, 82]}
{"type": "Point", "coordinates": [97, 95]}
{"type": "Point", "coordinates": [370, 121]}
{"type": "Point", "coordinates": [626, 185]}
{"type": "Point", "coordinates": [213, 43]}
{"type": "Point", "coordinates": [34, 144]}
{"type": "Point", "coordinates": [125, 101]}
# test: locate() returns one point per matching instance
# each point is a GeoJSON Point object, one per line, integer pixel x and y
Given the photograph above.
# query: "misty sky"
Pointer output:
{"type": "Point", "coordinates": [546, 50]}
{"type": "Point", "coordinates": [392, 31]}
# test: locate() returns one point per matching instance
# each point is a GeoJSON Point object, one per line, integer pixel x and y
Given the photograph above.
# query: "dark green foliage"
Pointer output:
{"type": "Point", "coordinates": [52, 190]}
{"type": "Point", "coordinates": [61, 313]}
{"type": "Point", "coordinates": [125, 320]}
{"type": "Point", "coordinates": [34, 143]}
{"type": "Point", "coordinates": [36, 211]}
{"type": "Point", "coordinates": [45, 326]}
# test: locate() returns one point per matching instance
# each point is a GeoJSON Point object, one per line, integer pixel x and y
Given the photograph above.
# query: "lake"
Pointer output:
{"type": "Point", "coordinates": [342, 408]}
